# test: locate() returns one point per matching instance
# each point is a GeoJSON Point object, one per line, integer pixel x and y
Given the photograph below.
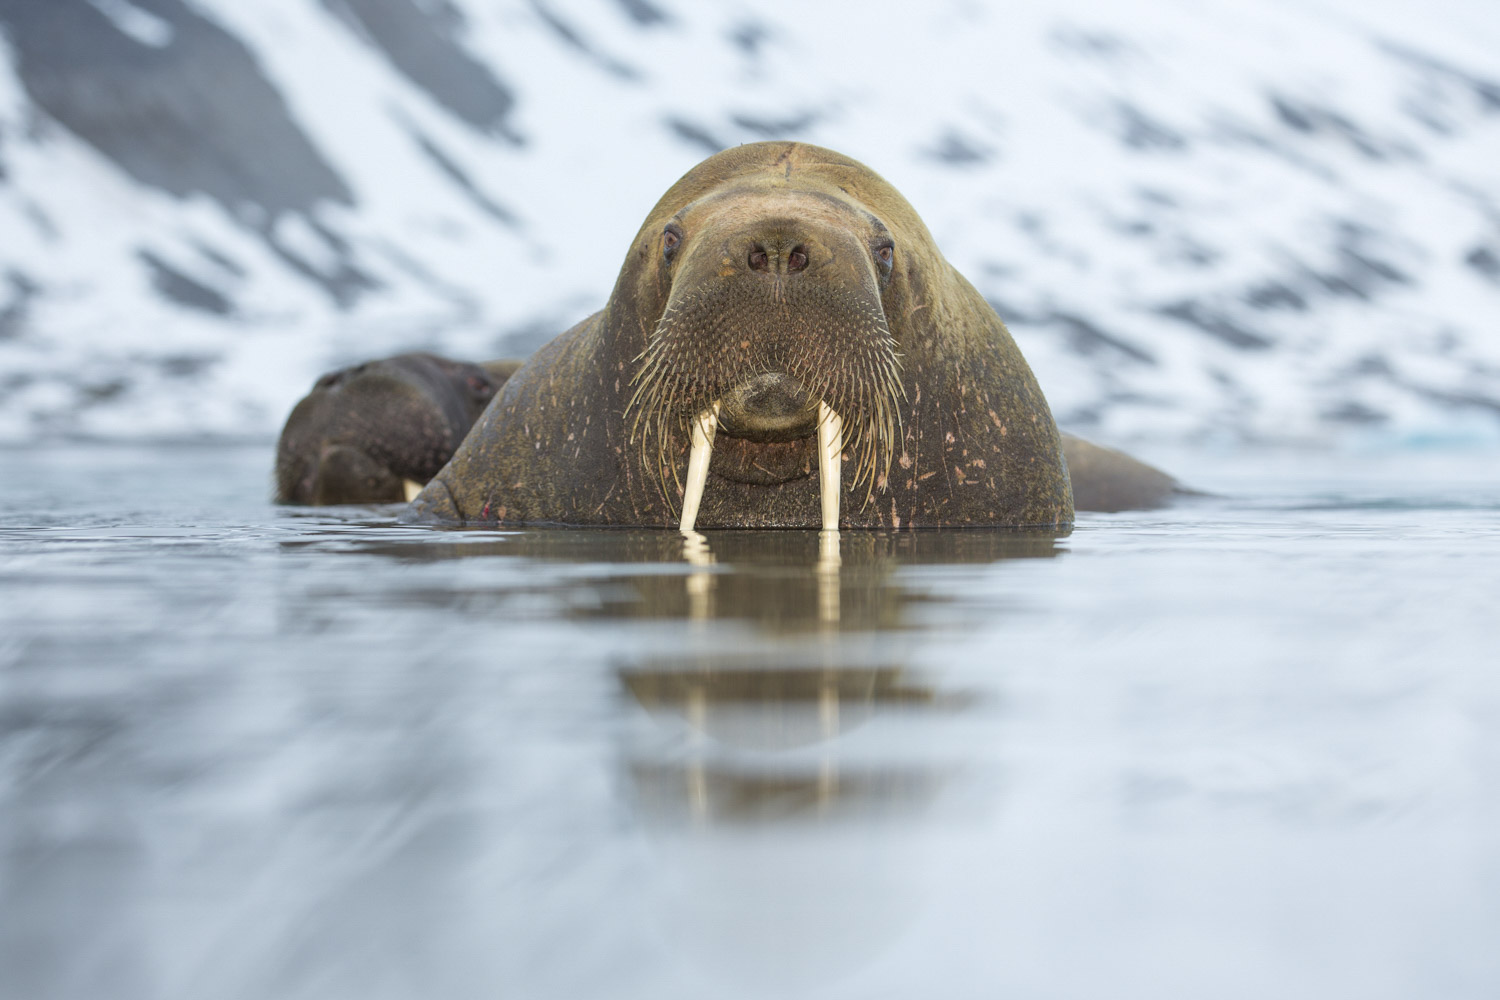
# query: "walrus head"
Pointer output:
{"type": "Point", "coordinates": [773, 333]}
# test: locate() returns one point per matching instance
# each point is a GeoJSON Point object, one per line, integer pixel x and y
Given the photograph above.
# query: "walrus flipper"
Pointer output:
{"type": "Point", "coordinates": [1107, 481]}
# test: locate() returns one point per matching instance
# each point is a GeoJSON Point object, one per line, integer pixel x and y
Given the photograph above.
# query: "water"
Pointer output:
{"type": "Point", "coordinates": [1247, 747]}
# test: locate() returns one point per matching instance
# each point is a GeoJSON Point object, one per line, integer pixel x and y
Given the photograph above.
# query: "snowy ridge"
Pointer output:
{"type": "Point", "coordinates": [1240, 220]}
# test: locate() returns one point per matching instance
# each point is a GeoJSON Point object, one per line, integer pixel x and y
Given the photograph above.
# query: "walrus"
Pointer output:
{"type": "Point", "coordinates": [785, 346]}
{"type": "Point", "coordinates": [378, 431]}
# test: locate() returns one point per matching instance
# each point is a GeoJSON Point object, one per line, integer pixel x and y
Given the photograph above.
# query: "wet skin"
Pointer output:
{"type": "Point", "coordinates": [352, 439]}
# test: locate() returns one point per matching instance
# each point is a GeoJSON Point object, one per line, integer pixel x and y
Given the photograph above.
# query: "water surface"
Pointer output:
{"type": "Point", "coordinates": [1246, 747]}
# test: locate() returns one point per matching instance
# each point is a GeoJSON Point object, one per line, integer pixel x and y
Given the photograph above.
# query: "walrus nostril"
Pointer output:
{"type": "Point", "coordinates": [759, 259]}
{"type": "Point", "coordinates": [797, 259]}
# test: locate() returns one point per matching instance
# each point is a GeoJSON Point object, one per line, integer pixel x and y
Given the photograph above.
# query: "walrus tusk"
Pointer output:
{"type": "Point", "coordinates": [410, 488]}
{"type": "Point", "coordinates": [704, 426]}
{"type": "Point", "coordinates": [830, 462]}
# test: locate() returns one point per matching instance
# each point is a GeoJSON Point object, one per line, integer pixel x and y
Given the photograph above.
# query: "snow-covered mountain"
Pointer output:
{"type": "Point", "coordinates": [1221, 219]}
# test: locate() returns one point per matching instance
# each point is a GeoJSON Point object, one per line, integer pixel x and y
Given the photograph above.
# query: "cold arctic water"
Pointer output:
{"type": "Point", "coordinates": [1247, 747]}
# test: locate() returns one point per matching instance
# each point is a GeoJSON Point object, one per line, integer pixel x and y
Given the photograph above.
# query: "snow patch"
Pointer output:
{"type": "Point", "coordinates": [142, 25]}
{"type": "Point", "coordinates": [1258, 219]}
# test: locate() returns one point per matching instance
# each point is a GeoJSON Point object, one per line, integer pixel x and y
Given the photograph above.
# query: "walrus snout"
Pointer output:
{"type": "Point", "coordinates": [774, 334]}
{"type": "Point", "coordinates": [769, 407]}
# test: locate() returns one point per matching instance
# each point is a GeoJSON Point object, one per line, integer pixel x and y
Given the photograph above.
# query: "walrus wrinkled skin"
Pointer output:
{"type": "Point", "coordinates": [774, 284]}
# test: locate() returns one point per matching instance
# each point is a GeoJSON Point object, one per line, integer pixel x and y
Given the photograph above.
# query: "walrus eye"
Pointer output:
{"type": "Point", "coordinates": [671, 238]}
{"type": "Point", "coordinates": [886, 254]}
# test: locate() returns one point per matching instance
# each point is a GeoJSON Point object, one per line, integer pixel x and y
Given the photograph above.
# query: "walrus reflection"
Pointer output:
{"type": "Point", "coordinates": [748, 702]}
{"type": "Point", "coordinates": [719, 794]}
{"type": "Point", "coordinates": [805, 582]}
{"type": "Point", "coordinates": [761, 740]}
{"type": "Point", "coordinates": [786, 852]}
{"type": "Point", "coordinates": [700, 582]}
{"type": "Point", "coordinates": [830, 562]}
{"type": "Point", "coordinates": [780, 583]}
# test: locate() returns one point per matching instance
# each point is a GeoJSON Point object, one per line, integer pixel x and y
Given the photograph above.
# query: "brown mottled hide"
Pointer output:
{"type": "Point", "coordinates": [972, 439]}
{"type": "Point", "coordinates": [1102, 479]}
{"type": "Point", "coordinates": [362, 430]}
{"type": "Point", "coordinates": [1107, 480]}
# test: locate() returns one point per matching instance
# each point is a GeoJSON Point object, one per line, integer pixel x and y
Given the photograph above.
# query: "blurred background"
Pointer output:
{"type": "Point", "coordinates": [1246, 747]}
{"type": "Point", "coordinates": [1237, 221]}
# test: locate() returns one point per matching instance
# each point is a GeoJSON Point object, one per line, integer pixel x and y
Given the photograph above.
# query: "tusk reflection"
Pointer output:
{"type": "Point", "coordinates": [700, 582]}
{"type": "Point", "coordinates": [827, 573]}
